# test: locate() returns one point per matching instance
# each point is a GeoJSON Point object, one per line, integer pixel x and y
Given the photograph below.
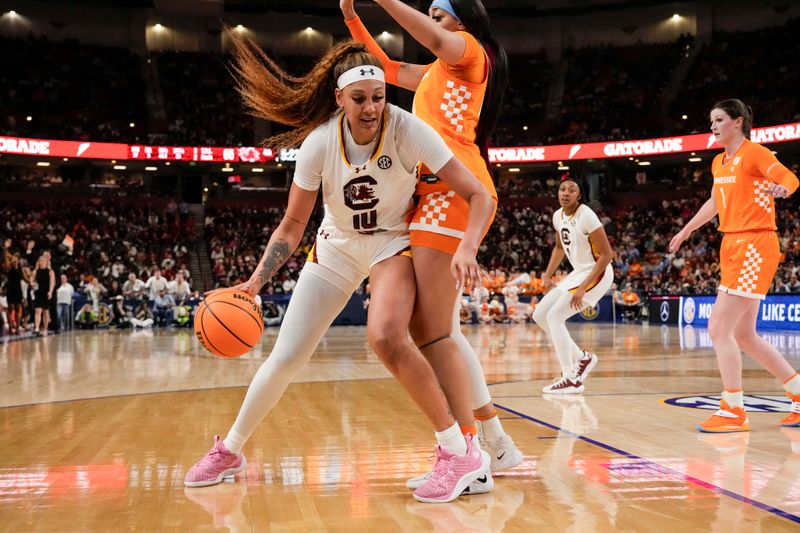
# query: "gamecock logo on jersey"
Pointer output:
{"type": "Point", "coordinates": [565, 237]}
{"type": "Point", "coordinates": [359, 193]}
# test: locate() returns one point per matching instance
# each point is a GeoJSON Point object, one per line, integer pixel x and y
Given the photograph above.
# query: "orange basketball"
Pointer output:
{"type": "Point", "coordinates": [228, 323]}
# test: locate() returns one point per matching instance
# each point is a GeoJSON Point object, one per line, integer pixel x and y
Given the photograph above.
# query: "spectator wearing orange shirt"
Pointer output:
{"type": "Point", "coordinates": [631, 304]}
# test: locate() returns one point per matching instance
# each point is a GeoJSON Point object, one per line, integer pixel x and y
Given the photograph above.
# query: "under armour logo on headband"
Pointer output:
{"type": "Point", "coordinates": [358, 74]}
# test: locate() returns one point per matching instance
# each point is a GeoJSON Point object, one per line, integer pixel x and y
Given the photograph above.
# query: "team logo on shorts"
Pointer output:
{"type": "Point", "coordinates": [384, 162]}
{"type": "Point", "coordinates": [752, 403]}
{"type": "Point", "coordinates": [590, 313]}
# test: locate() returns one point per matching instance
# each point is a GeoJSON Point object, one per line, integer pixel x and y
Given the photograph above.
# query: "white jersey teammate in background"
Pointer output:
{"type": "Point", "coordinates": [581, 238]}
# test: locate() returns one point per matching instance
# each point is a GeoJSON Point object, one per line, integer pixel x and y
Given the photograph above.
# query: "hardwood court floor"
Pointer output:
{"type": "Point", "coordinates": [98, 429]}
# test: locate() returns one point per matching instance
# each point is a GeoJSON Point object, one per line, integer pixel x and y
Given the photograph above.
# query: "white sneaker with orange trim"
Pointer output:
{"type": "Point", "coordinates": [726, 420]}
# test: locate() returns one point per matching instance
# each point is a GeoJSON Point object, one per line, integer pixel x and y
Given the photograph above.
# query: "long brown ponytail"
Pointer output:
{"type": "Point", "coordinates": [301, 103]}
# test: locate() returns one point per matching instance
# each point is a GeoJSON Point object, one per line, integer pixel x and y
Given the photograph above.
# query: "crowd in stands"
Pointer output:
{"type": "Point", "coordinates": [103, 251]}
{"type": "Point", "coordinates": [759, 66]}
{"type": "Point", "coordinates": [237, 238]}
{"type": "Point", "coordinates": [70, 90]}
{"type": "Point", "coordinates": [15, 178]}
{"type": "Point", "coordinates": [139, 255]}
{"type": "Point", "coordinates": [529, 76]}
{"type": "Point", "coordinates": [77, 91]}
{"type": "Point", "coordinates": [202, 105]}
{"type": "Point", "coordinates": [611, 92]}
{"type": "Point", "coordinates": [520, 241]}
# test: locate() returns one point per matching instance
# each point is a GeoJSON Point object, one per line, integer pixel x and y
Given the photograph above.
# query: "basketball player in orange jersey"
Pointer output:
{"type": "Point", "coordinates": [460, 95]}
{"type": "Point", "coordinates": [362, 153]}
{"type": "Point", "coordinates": [747, 179]}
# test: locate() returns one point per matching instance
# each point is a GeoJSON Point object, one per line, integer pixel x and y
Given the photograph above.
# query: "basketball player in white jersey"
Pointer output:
{"type": "Point", "coordinates": [363, 154]}
{"type": "Point", "coordinates": [581, 237]}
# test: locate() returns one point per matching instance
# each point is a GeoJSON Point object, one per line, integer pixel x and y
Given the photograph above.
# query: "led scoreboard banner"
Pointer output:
{"type": "Point", "coordinates": [641, 148]}
{"type": "Point", "coordinates": [514, 154]}
{"type": "Point", "coordinates": [50, 148]}
{"type": "Point", "coordinates": [241, 154]}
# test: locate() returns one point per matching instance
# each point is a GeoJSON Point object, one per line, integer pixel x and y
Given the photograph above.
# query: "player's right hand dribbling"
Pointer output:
{"type": "Point", "coordinates": [248, 286]}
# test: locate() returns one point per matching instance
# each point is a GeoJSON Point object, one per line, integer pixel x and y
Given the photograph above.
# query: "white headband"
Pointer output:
{"type": "Point", "coordinates": [364, 72]}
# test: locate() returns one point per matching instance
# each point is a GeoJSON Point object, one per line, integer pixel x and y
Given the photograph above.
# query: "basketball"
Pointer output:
{"type": "Point", "coordinates": [228, 323]}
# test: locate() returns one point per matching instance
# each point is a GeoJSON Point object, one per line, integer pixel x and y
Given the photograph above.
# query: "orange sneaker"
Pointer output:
{"type": "Point", "coordinates": [727, 420]}
{"type": "Point", "coordinates": [793, 419]}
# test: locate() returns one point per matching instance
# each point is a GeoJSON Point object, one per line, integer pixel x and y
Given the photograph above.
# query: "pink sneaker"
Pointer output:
{"type": "Point", "coordinates": [453, 473]}
{"type": "Point", "coordinates": [217, 464]}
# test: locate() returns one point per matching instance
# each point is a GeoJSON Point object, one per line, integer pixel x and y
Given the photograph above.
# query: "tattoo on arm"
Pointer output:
{"type": "Point", "coordinates": [405, 65]}
{"type": "Point", "coordinates": [276, 254]}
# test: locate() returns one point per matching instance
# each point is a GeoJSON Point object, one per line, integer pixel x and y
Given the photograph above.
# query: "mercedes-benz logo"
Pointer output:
{"type": "Point", "coordinates": [664, 311]}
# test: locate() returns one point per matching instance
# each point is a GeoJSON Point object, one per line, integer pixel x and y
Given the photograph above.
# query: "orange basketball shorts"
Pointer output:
{"type": "Point", "coordinates": [440, 220]}
{"type": "Point", "coordinates": [748, 262]}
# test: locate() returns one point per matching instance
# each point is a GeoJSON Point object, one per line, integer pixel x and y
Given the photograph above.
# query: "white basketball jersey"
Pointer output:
{"type": "Point", "coordinates": [574, 232]}
{"type": "Point", "coordinates": [374, 195]}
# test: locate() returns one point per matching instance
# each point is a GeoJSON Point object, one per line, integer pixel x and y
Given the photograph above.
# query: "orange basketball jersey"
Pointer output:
{"type": "Point", "coordinates": [740, 188]}
{"type": "Point", "coordinates": [452, 106]}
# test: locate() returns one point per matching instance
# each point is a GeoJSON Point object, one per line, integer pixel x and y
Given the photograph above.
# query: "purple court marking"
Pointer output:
{"type": "Point", "coordinates": [661, 468]}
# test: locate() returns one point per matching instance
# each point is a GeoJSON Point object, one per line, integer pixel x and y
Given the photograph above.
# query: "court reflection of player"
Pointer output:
{"type": "Point", "coordinates": [580, 500]}
{"type": "Point", "coordinates": [483, 513]}
{"type": "Point", "coordinates": [732, 473]}
{"type": "Point", "coordinates": [223, 504]}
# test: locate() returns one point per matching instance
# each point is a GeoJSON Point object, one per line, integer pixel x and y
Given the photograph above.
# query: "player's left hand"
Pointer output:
{"type": "Point", "coordinates": [777, 190]}
{"type": "Point", "coordinates": [465, 269]}
{"type": "Point", "coordinates": [577, 298]}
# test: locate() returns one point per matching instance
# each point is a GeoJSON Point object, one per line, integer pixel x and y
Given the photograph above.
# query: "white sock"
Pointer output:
{"type": "Point", "coordinates": [452, 440]}
{"type": "Point", "coordinates": [793, 385]}
{"type": "Point", "coordinates": [235, 442]}
{"type": "Point", "coordinates": [734, 399]}
{"type": "Point", "coordinates": [492, 430]}
{"type": "Point", "coordinates": [577, 353]}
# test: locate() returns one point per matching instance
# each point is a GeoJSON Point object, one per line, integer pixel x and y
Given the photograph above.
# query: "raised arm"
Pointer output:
{"type": "Point", "coordinates": [284, 240]}
{"type": "Point", "coordinates": [446, 45]}
{"type": "Point", "coordinates": [405, 75]}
